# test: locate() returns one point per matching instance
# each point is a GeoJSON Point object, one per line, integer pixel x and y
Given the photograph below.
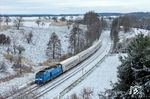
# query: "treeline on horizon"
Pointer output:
{"type": "Point", "coordinates": [137, 14]}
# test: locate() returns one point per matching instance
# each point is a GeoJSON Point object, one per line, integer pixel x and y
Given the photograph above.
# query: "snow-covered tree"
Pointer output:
{"type": "Point", "coordinates": [126, 22]}
{"type": "Point", "coordinates": [76, 39]}
{"type": "Point", "coordinates": [29, 37]}
{"type": "Point", "coordinates": [38, 21]}
{"type": "Point", "coordinates": [7, 20]}
{"type": "Point", "coordinates": [3, 67]}
{"type": "Point", "coordinates": [104, 23]}
{"type": "Point", "coordinates": [55, 18]}
{"type": "Point", "coordinates": [42, 23]}
{"type": "Point", "coordinates": [1, 20]}
{"type": "Point", "coordinates": [54, 47]}
{"type": "Point", "coordinates": [18, 22]}
{"type": "Point", "coordinates": [135, 68]}
{"type": "Point", "coordinates": [114, 32]}
{"type": "Point", "coordinates": [18, 62]}
{"type": "Point", "coordinates": [62, 19]}
{"type": "Point", "coordinates": [93, 25]}
{"type": "Point", "coordinates": [4, 39]}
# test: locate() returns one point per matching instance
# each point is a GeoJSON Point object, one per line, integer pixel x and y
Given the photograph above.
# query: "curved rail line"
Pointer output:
{"type": "Point", "coordinates": [53, 83]}
{"type": "Point", "coordinates": [46, 90]}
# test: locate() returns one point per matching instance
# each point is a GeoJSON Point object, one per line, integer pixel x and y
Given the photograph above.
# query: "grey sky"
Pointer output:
{"type": "Point", "coordinates": [71, 6]}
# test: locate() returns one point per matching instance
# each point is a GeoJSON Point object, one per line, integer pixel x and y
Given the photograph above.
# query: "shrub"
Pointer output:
{"type": "Point", "coordinates": [4, 39]}
{"type": "Point", "coordinates": [3, 67]}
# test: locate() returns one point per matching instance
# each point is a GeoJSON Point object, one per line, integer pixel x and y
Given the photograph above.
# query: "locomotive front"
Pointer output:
{"type": "Point", "coordinates": [39, 78]}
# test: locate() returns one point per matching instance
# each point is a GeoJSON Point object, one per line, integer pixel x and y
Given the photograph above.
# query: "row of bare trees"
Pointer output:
{"type": "Point", "coordinates": [6, 20]}
{"type": "Point", "coordinates": [17, 22]}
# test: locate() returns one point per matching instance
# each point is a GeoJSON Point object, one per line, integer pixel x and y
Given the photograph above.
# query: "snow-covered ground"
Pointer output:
{"type": "Point", "coordinates": [17, 83]}
{"type": "Point", "coordinates": [134, 31]}
{"type": "Point", "coordinates": [100, 79]}
{"type": "Point", "coordinates": [34, 52]}
{"type": "Point", "coordinates": [81, 69]}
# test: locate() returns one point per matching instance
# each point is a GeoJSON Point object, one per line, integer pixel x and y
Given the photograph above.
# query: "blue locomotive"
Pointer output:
{"type": "Point", "coordinates": [48, 74]}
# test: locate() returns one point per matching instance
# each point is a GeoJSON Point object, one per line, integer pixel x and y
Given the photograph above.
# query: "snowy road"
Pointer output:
{"type": "Point", "coordinates": [82, 68]}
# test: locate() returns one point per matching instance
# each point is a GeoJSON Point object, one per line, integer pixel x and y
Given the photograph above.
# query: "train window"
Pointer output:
{"type": "Point", "coordinates": [59, 65]}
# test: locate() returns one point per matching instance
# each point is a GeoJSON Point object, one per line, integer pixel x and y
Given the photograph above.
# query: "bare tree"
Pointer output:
{"type": "Point", "coordinates": [93, 25]}
{"type": "Point", "coordinates": [7, 20]}
{"type": "Point", "coordinates": [71, 17]}
{"type": "Point", "coordinates": [3, 67]}
{"type": "Point", "coordinates": [29, 37]}
{"type": "Point", "coordinates": [104, 23]}
{"type": "Point", "coordinates": [76, 39]}
{"type": "Point", "coordinates": [74, 96]}
{"type": "Point", "coordinates": [49, 17]}
{"type": "Point", "coordinates": [43, 24]}
{"type": "Point", "coordinates": [1, 20]}
{"type": "Point", "coordinates": [55, 19]}
{"type": "Point", "coordinates": [63, 19]}
{"type": "Point", "coordinates": [18, 22]}
{"type": "Point", "coordinates": [18, 63]}
{"type": "Point", "coordinates": [87, 93]}
{"type": "Point", "coordinates": [38, 21]}
{"type": "Point", "coordinates": [54, 47]}
{"type": "Point", "coordinates": [114, 32]}
{"type": "Point", "coordinates": [4, 39]}
{"type": "Point", "coordinates": [126, 22]}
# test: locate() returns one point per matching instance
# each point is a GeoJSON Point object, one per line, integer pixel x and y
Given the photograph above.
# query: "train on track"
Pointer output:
{"type": "Point", "coordinates": [50, 73]}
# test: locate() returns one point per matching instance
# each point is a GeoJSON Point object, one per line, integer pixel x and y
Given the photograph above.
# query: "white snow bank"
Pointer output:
{"type": "Point", "coordinates": [16, 83]}
{"type": "Point", "coordinates": [100, 78]}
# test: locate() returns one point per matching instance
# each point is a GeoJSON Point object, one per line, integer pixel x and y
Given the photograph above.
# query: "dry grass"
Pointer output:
{"type": "Point", "coordinates": [4, 27]}
{"type": "Point", "coordinates": [59, 23]}
{"type": "Point", "coordinates": [19, 72]}
{"type": "Point", "coordinates": [49, 62]}
{"type": "Point", "coordinates": [9, 57]}
{"type": "Point", "coordinates": [45, 63]}
{"type": "Point", "coordinates": [9, 77]}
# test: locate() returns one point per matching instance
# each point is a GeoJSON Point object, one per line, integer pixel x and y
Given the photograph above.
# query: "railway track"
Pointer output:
{"type": "Point", "coordinates": [29, 92]}
{"type": "Point", "coordinates": [82, 77]}
{"type": "Point", "coordinates": [23, 92]}
{"type": "Point", "coordinates": [35, 91]}
{"type": "Point", "coordinates": [49, 88]}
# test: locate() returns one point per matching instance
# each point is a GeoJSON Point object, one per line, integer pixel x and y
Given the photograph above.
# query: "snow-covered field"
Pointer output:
{"type": "Point", "coordinates": [100, 79]}
{"type": "Point", "coordinates": [34, 52]}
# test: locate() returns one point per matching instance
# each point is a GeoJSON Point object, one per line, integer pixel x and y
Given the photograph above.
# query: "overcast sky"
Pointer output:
{"type": "Point", "coordinates": [72, 6]}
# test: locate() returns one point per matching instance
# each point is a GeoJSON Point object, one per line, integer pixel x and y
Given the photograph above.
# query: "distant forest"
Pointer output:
{"type": "Point", "coordinates": [137, 14]}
